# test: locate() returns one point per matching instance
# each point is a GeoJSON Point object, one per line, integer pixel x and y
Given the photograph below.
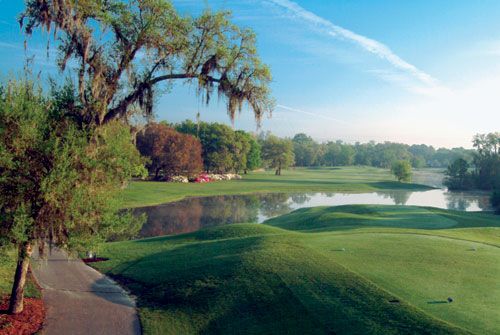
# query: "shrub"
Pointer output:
{"type": "Point", "coordinates": [402, 170]}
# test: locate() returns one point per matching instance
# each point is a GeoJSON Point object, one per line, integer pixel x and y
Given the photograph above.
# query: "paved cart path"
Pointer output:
{"type": "Point", "coordinates": [81, 300]}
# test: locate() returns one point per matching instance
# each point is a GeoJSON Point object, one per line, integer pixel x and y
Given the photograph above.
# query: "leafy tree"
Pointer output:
{"type": "Point", "coordinates": [63, 160]}
{"type": "Point", "coordinates": [331, 154]}
{"type": "Point", "coordinates": [458, 176]}
{"type": "Point", "coordinates": [402, 170]}
{"type": "Point", "coordinates": [125, 49]}
{"type": "Point", "coordinates": [487, 161]}
{"type": "Point", "coordinates": [346, 156]}
{"type": "Point", "coordinates": [223, 149]}
{"type": "Point", "coordinates": [241, 148]}
{"type": "Point", "coordinates": [363, 153]}
{"type": "Point", "coordinates": [486, 166]}
{"type": "Point", "coordinates": [254, 159]}
{"type": "Point", "coordinates": [305, 150]}
{"type": "Point", "coordinates": [170, 152]}
{"type": "Point", "coordinates": [218, 142]}
{"type": "Point", "coordinates": [58, 182]}
{"type": "Point", "coordinates": [277, 153]}
{"type": "Point", "coordinates": [422, 154]}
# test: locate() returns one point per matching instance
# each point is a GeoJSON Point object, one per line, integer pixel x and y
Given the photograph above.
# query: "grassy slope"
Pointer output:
{"type": "Point", "coordinates": [345, 179]}
{"type": "Point", "coordinates": [293, 278]}
{"type": "Point", "coordinates": [430, 258]}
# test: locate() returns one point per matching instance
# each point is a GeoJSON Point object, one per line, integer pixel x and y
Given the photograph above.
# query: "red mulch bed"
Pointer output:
{"type": "Point", "coordinates": [29, 321]}
{"type": "Point", "coordinates": [93, 260]}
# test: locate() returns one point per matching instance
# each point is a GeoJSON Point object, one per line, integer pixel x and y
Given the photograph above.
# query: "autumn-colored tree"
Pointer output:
{"type": "Point", "coordinates": [170, 152]}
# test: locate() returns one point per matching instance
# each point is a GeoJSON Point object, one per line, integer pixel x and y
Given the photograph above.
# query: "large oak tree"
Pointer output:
{"type": "Point", "coordinates": [124, 50]}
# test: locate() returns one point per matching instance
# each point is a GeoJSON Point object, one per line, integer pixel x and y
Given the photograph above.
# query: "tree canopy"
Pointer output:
{"type": "Point", "coordinates": [402, 170]}
{"type": "Point", "coordinates": [277, 152]}
{"type": "Point", "coordinates": [457, 175]}
{"type": "Point", "coordinates": [309, 152]}
{"type": "Point", "coordinates": [170, 153]}
{"type": "Point", "coordinates": [223, 149]}
{"type": "Point", "coordinates": [64, 156]}
{"type": "Point", "coordinates": [125, 49]}
{"type": "Point", "coordinates": [58, 182]}
{"type": "Point", "coordinates": [484, 172]}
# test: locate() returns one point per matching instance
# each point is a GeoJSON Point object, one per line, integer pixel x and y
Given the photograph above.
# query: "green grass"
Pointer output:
{"type": "Point", "coordinates": [345, 179]}
{"type": "Point", "coordinates": [7, 269]}
{"type": "Point", "coordinates": [320, 270]}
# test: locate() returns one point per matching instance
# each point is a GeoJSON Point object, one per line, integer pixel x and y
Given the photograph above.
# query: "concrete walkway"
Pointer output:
{"type": "Point", "coordinates": [80, 300]}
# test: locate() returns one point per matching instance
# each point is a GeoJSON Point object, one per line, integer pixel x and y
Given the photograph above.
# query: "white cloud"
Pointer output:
{"type": "Point", "coordinates": [425, 83]}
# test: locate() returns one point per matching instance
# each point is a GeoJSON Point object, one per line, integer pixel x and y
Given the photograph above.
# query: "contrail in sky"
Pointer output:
{"type": "Point", "coordinates": [310, 113]}
{"type": "Point", "coordinates": [368, 44]}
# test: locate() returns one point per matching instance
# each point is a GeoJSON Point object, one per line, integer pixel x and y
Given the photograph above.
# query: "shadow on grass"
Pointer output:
{"type": "Point", "coordinates": [394, 185]}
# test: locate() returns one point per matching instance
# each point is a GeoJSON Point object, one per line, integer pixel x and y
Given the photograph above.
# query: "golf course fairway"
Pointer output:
{"type": "Point", "coordinates": [346, 270]}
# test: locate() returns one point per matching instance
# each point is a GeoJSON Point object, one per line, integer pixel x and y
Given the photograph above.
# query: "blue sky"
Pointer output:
{"type": "Point", "coordinates": [407, 71]}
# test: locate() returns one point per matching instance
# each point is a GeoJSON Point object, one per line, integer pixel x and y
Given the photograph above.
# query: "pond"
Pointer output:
{"type": "Point", "coordinates": [195, 213]}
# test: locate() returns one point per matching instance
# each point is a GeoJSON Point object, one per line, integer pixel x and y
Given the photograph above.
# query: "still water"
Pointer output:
{"type": "Point", "coordinates": [195, 213]}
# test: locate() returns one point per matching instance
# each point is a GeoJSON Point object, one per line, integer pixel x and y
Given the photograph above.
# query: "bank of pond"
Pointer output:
{"type": "Point", "coordinates": [195, 213]}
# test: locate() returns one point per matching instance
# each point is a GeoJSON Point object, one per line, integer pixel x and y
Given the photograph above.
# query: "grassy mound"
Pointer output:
{"type": "Point", "coordinates": [377, 216]}
{"type": "Point", "coordinates": [367, 274]}
{"type": "Point", "coordinates": [422, 255]}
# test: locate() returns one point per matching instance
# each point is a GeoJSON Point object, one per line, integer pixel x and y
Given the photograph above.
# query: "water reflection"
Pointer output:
{"type": "Point", "coordinates": [195, 213]}
{"type": "Point", "coordinates": [398, 197]}
{"type": "Point", "coordinates": [463, 201]}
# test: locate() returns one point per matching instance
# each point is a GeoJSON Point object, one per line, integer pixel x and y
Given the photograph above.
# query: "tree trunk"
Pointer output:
{"type": "Point", "coordinates": [17, 295]}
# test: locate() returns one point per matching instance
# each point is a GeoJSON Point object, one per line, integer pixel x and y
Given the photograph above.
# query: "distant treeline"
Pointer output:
{"type": "Point", "coordinates": [308, 152]}
{"type": "Point", "coordinates": [191, 147]}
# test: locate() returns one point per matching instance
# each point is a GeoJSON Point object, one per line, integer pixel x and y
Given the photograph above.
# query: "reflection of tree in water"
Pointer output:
{"type": "Point", "coordinates": [484, 203]}
{"type": "Point", "coordinates": [230, 209]}
{"type": "Point", "coordinates": [195, 213]}
{"type": "Point", "coordinates": [399, 197]}
{"type": "Point", "coordinates": [300, 198]}
{"type": "Point", "coordinates": [463, 201]}
{"type": "Point", "coordinates": [457, 203]}
{"type": "Point", "coordinates": [274, 204]}
{"type": "Point", "coordinates": [175, 218]}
